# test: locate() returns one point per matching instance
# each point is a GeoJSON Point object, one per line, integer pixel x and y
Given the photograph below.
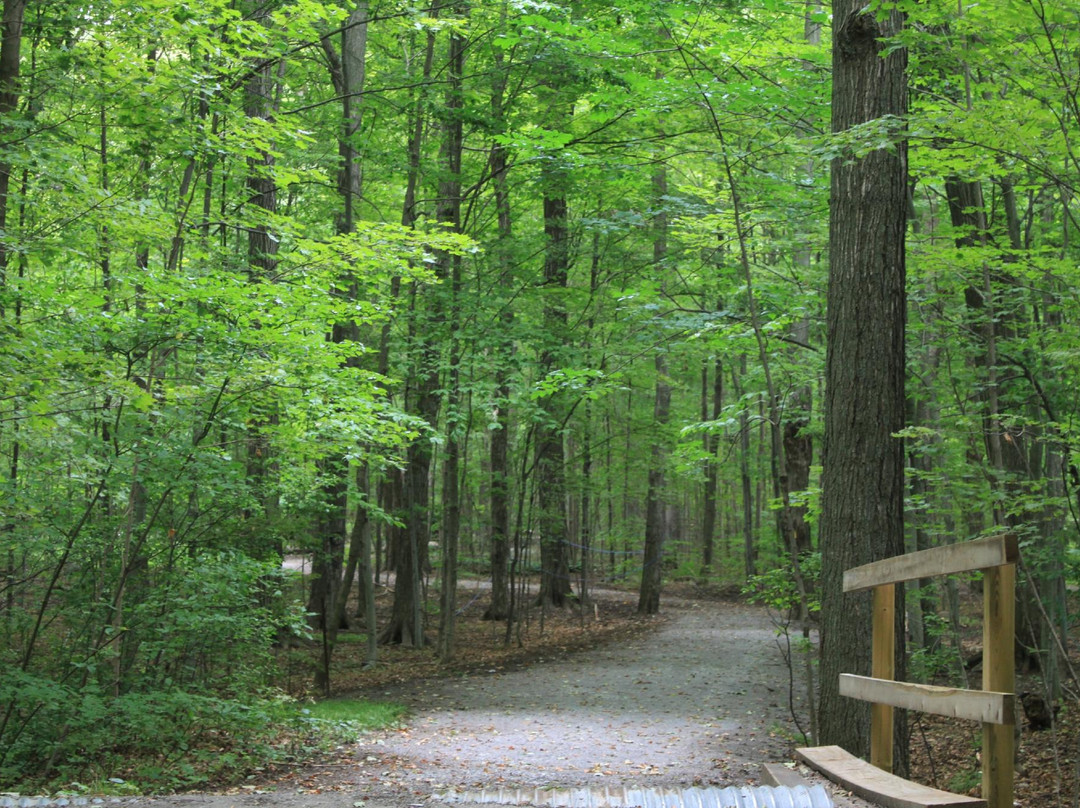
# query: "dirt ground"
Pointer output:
{"type": "Point", "coordinates": [700, 700]}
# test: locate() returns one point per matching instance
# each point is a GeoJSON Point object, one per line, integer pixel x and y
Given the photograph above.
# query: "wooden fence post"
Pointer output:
{"type": "Point", "coordinates": [883, 666]}
{"type": "Point", "coordinates": [999, 624]}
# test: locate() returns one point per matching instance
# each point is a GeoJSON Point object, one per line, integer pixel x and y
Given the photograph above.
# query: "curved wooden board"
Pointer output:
{"type": "Point", "coordinates": [880, 787]}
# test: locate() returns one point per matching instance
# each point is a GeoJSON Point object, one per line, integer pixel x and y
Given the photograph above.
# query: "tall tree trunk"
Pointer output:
{"type": "Point", "coordinates": [588, 503]}
{"type": "Point", "coordinates": [798, 449]}
{"type": "Point", "coordinates": [652, 571]}
{"type": "Point", "coordinates": [923, 412]}
{"type": "Point", "coordinates": [1007, 447]}
{"type": "Point", "coordinates": [499, 487]}
{"type": "Point", "coordinates": [746, 482]}
{"type": "Point", "coordinates": [410, 488]}
{"type": "Point", "coordinates": [550, 460]}
{"type": "Point", "coordinates": [448, 212]}
{"type": "Point", "coordinates": [329, 588]}
{"type": "Point", "coordinates": [10, 61]}
{"type": "Point", "coordinates": [260, 103]}
{"type": "Point", "coordinates": [586, 507]}
{"type": "Point", "coordinates": [499, 607]}
{"type": "Point", "coordinates": [863, 465]}
{"type": "Point", "coordinates": [712, 457]}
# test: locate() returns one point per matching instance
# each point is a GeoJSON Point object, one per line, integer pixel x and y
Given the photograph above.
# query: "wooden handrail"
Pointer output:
{"type": "Point", "coordinates": [979, 554]}
{"type": "Point", "coordinates": [994, 705]}
{"type": "Point", "coordinates": [954, 702]}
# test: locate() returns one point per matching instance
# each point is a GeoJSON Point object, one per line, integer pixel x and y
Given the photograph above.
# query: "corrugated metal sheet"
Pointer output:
{"type": "Point", "coordinates": [731, 797]}
{"type": "Point", "coordinates": [11, 800]}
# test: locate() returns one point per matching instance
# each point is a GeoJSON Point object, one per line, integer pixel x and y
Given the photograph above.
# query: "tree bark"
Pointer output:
{"type": "Point", "coordinates": [652, 572]}
{"type": "Point", "coordinates": [550, 460]}
{"type": "Point", "coordinates": [10, 60]}
{"type": "Point", "coordinates": [863, 464]}
{"type": "Point", "coordinates": [499, 488]}
{"type": "Point", "coordinates": [712, 459]}
{"type": "Point", "coordinates": [448, 212]}
{"type": "Point", "coordinates": [409, 490]}
{"type": "Point", "coordinates": [330, 588]}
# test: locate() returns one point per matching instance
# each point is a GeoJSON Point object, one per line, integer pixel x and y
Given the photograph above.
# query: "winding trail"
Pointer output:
{"type": "Point", "coordinates": [702, 700]}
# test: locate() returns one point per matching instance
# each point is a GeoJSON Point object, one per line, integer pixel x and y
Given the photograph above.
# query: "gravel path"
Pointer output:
{"type": "Point", "coordinates": [703, 700]}
{"type": "Point", "coordinates": [700, 701]}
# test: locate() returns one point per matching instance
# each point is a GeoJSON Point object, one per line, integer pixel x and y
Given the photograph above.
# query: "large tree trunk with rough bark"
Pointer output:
{"type": "Point", "coordinates": [10, 56]}
{"type": "Point", "coordinates": [863, 465]}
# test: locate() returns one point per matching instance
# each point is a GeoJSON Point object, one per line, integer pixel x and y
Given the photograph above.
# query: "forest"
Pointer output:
{"type": "Point", "coordinates": [526, 291]}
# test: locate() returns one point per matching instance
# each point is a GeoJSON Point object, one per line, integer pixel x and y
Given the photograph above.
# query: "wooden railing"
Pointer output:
{"type": "Point", "coordinates": [994, 705]}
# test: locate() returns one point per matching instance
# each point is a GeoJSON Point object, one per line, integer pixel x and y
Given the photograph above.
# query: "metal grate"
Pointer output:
{"type": "Point", "coordinates": [10, 799]}
{"type": "Point", "coordinates": [730, 797]}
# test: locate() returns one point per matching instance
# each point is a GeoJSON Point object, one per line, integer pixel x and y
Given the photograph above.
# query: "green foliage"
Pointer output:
{"type": "Point", "coordinates": [173, 413]}
{"type": "Point", "coordinates": [935, 659]}
{"type": "Point", "coordinates": [168, 739]}
{"type": "Point", "coordinates": [778, 590]}
{"type": "Point", "coordinates": [157, 741]}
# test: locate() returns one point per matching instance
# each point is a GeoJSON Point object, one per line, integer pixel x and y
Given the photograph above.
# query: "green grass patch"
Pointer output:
{"type": "Point", "coordinates": [360, 714]}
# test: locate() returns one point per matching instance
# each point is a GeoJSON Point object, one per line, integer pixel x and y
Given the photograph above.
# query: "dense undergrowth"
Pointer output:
{"type": "Point", "coordinates": [174, 740]}
{"type": "Point", "coordinates": [187, 693]}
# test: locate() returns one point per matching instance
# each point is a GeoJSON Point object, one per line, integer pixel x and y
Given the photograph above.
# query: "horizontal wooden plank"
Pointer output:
{"type": "Point", "coordinates": [878, 786]}
{"type": "Point", "coordinates": [979, 554]}
{"type": "Point", "coordinates": [974, 705]}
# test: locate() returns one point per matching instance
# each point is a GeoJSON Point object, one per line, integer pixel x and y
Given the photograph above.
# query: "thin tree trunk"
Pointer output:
{"type": "Point", "coordinates": [655, 528]}
{"type": "Point", "coordinates": [406, 625]}
{"type": "Point", "coordinates": [448, 212]}
{"type": "Point", "coordinates": [586, 507]}
{"type": "Point", "coordinates": [712, 458]}
{"type": "Point", "coordinates": [499, 607]}
{"type": "Point", "coordinates": [10, 58]}
{"type": "Point", "coordinates": [749, 547]}
{"type": "Point", "coordinates": [330, 589]}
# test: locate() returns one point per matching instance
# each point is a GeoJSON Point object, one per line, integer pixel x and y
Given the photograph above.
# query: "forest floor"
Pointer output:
{"type": "Point", "coordinates": [696, 696]}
